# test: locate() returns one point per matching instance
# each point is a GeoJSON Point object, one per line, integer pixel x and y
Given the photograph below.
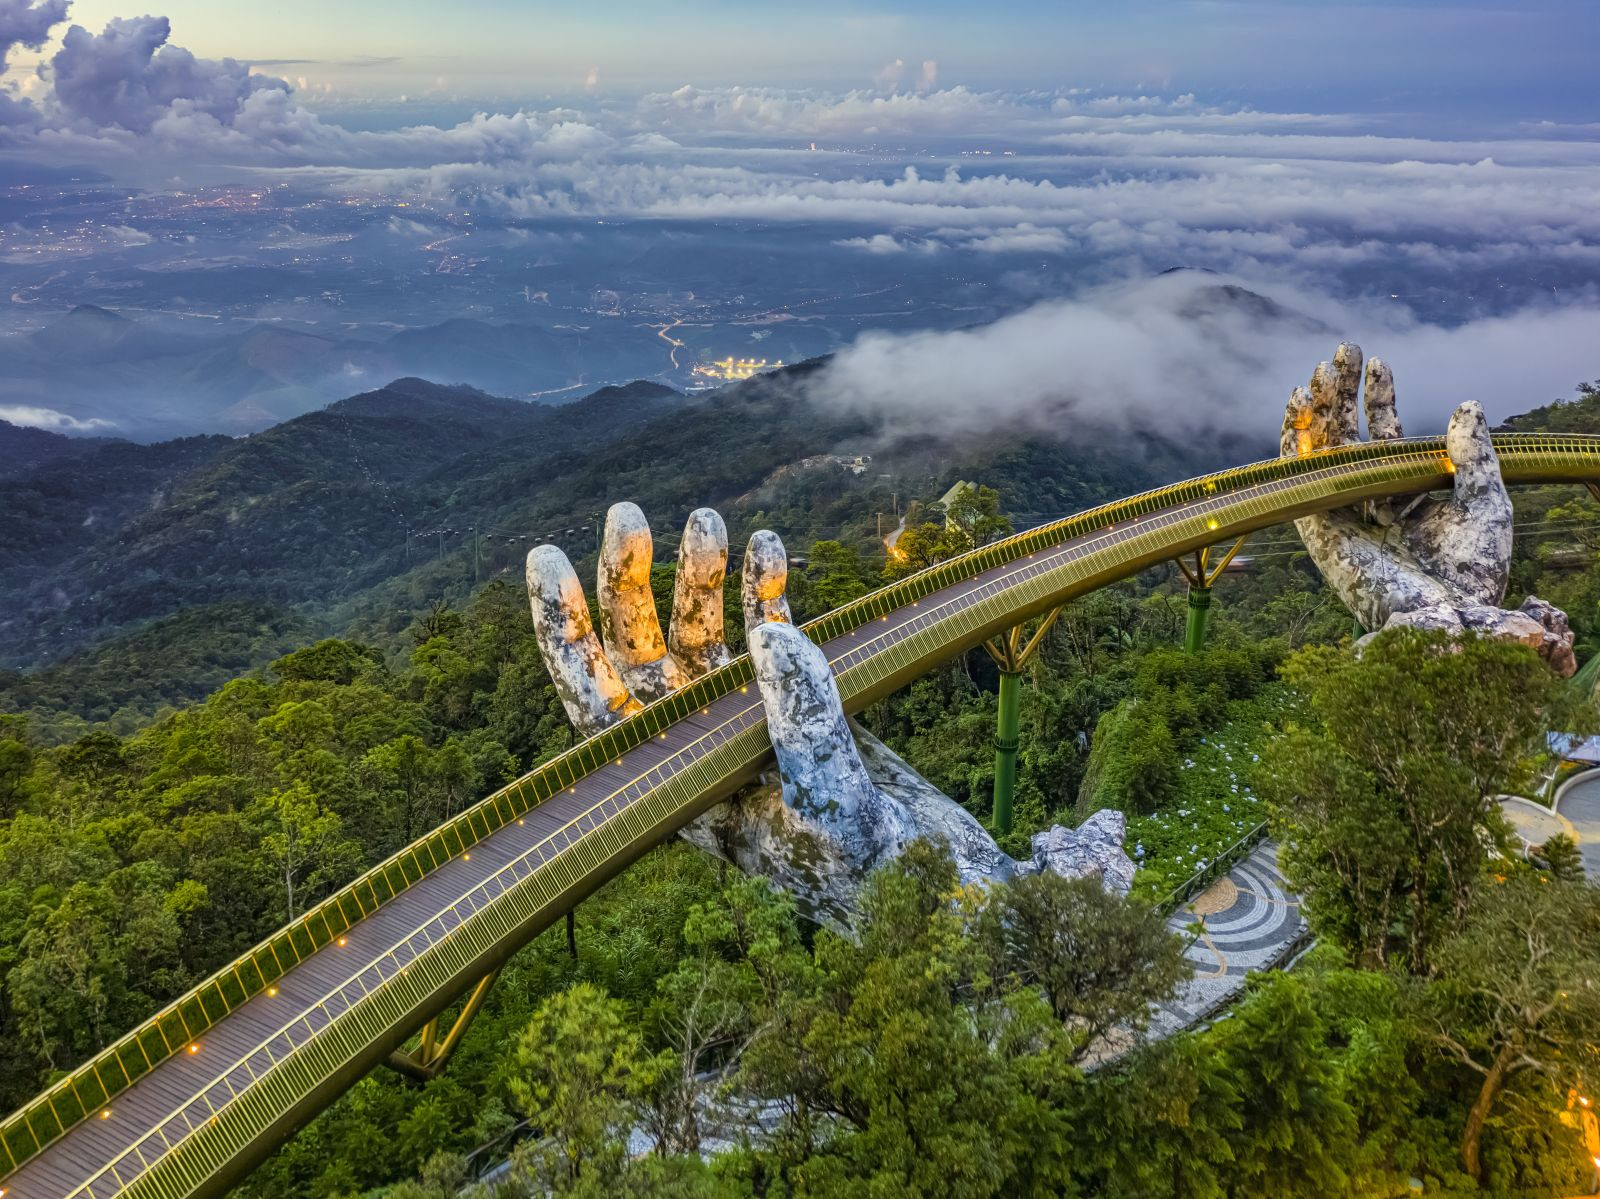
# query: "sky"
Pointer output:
{"type": "Point", "coordinates": [1527, 57]}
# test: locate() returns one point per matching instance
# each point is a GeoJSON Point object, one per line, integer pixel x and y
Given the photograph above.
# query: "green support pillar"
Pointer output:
{"type": "Point", "coordinates": [1194, 634]}
{"type": "Point", "coordinates": [1006, 739]}
{"type": "Point", "coordinates": [1200, 575]}
{"type": "Point", "coordinates": [1011, 653]}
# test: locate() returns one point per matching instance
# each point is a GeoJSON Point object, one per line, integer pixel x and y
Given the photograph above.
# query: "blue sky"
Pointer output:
{"type": "Point", "coordinates": [1522, 57]}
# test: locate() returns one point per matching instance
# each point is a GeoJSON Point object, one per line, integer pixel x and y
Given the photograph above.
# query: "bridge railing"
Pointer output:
{"type": "Point", "coordinates": [1225, 861]}
{"type": "Point", "coordinates": [92, 1085]}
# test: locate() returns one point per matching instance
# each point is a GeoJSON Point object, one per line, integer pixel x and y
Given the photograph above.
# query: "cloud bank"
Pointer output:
{"type": "Point", "coordinates": [31, 417]}
{"type": "Point", "coordinates": [1189, 354]}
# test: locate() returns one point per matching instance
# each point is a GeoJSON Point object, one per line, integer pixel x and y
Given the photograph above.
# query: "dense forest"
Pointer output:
{"type": "Point", "coordinates": [173, 793]}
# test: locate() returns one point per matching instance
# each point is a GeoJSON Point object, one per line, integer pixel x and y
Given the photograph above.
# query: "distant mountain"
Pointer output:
{"type": "Point", "coordinates": [154, 382]}
{"type": "Point", "coordinates": [307, 513]}
{"type": "Point", "coordinates": [358, 515]}
{"type": "Point", "coordinates": [24, 450]}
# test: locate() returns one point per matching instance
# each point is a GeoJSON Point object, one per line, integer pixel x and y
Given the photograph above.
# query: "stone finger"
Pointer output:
{"type": "Point", "coordinates": [1383, 418]}
{"type": "Point", "coordinates": [628, 619]}
{"type": "Point", "coordinates": [697, 639]}
{"type": "Point", "coordinates": [1467, 541]}
{"type": "Point", "coordinates": [824, 779]}
{"type": "Point", "coordinates": [1296, 438]}
{"type": "Point", "coordinates": [590, 688]}
{"type": "Point", "coordinates": [1334, 389]}
{"type": "Point", "coordinates": [764, 581]}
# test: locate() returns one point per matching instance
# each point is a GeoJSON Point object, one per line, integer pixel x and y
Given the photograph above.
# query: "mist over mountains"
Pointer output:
{"type": "Point", "coordinates": [353, 518]}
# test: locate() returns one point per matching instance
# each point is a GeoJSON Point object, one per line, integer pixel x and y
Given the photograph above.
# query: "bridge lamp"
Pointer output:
{"type": "Point", "coordinates": [272, 992]}
{"type": "Point", "coordinates": [466, 857]}
{"type": "Point", "coordinates": [1212, 523]}
{"type": "Point", "coordinates": [341, 941]}
{"type": "Point", "coordinates": [105, 1113]}
{"type": "Point", "coordinates": [194, 1047]}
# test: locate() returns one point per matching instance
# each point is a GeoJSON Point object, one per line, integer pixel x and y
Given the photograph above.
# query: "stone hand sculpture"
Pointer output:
{"type": "Point", "coordinates": [1439, 563]}
{"type": "Point", "coordinates": [843, 802]}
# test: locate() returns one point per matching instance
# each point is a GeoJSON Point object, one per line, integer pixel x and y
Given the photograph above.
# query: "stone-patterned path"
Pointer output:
{"type": "Point", "coordinates": [1580, 804]}
{"type": "Point", "coordinates": [1250, 921]}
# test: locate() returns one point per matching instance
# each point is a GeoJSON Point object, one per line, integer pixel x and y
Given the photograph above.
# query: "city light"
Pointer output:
{"type": "Point", "coordinates": [733, 369]}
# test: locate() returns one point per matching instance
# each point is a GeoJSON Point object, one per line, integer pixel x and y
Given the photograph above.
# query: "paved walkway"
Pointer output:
{"type": "Point", "coordinates": [1580, 804]}
{"type": "Point", "coordinates": [1250, 921]}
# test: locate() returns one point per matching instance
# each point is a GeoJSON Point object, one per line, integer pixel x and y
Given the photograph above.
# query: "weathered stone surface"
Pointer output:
{"type": "Point", "coordinates": [764, 581]}
{"type": "Point", "coordinates": [1383, 417]}
{"type": "Point", "coordinates": [1092, 850]}
{"type": "Point", "coordinates": [590, 688]}
{"type": "Point", "coordinates": [1427, 563]}
{"type": "Point", "coordinates": [697, 636]}
{"type": "Point", "coordinates": [628, 619]}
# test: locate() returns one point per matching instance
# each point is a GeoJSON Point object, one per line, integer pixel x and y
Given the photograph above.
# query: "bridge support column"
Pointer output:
{"type": "Point", "coordinates": [1011, 652]}
{"type": "Point", "coordinates": [1194, 632]}
{"type": "Point", "coordinates": [1201, 573]}
{"type": "Point", "coordinates": [431, 1055]}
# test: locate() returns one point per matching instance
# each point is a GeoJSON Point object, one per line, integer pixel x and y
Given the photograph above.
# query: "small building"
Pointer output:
{"type": "Point", "coordinates": [949, 498]}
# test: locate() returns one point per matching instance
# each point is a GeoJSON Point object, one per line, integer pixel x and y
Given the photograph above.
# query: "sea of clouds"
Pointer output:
{"type": "Point", "coordinates": [1290, 204]}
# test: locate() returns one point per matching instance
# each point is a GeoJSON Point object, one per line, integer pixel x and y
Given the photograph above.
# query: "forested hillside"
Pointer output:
{"type": "Point", "coordinates": [135, 858]}
{"type": "Point", "coordinates": [356, 517]}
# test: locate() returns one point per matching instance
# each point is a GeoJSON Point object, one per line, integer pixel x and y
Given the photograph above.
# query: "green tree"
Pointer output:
{"type": "Point", "coordinates": [834, 575]}
{"type": "Point", "coordinates": [16, 768]}
{"type": "Point", "coordinates": [743, 954]}
{"type": "Point", "coordinates": [1385, 805]}
{"type": "Point", "coordinates": [1561, 857]}
{"type": "Point", "coordinates": [306, 849]}
{"type": "Point", "coordinates": [577, 1072]}
{"type": "Point", "coordinates": [909, 1070]}
{"type": "Point", "coordinates": [1101, 961]}
{"type": "Point", "coordinates": [328, 661]}
{"type": "Point", "coordinates": [1297, 1131]}
{"type": "Point", "coordinates": [972, 518]}
{"type": "Point", "coordinates": [1517, 997]}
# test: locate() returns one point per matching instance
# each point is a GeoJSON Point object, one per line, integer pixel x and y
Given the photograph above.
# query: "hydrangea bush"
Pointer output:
{"type": "Point", "coordinates": [1216, 803]}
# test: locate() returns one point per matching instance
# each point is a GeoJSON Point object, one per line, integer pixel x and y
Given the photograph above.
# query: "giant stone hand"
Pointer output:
{"type": "Point", "coordinates": [844, 803]}
{"type": "Point", "coordinates": [1440, 563]}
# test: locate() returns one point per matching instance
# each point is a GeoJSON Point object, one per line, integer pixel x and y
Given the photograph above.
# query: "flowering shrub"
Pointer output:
{"type": "Point", "coordinates": [1215, 804]}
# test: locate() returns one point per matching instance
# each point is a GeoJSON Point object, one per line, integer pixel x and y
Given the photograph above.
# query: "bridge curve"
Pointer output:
{"type": "Point", "coordinates": [187, 1103]}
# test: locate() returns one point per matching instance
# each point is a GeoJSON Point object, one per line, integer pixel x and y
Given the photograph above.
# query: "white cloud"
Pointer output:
{"type": "Point", "coordinates": [50, 419]}
{"type": "Point", "coordinates": [1025, 238]}
{"type": "Point", "coordinates": [887, 243]}
{"type": "Point", "coordinates": [1189, 353]}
